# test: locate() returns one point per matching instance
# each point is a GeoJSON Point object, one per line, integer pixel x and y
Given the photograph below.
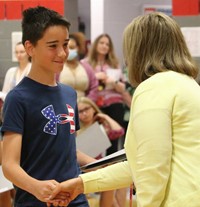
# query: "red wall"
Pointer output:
{"type": "Point", "coordinates": [186, 7]}
{"type": "Point", "coordinates": [12, 9]}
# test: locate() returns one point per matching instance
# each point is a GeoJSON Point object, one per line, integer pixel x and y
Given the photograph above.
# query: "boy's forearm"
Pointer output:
{"type": "Point", "coordinates": [19, 177]}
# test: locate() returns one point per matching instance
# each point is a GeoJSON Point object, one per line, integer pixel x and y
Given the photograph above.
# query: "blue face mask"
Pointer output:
{"type": "Point", "coordinates": [72, 54]}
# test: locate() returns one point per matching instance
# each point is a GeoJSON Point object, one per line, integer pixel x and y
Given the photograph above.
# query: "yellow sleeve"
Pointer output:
{"type": "Point", "coordinates": [112, 177]}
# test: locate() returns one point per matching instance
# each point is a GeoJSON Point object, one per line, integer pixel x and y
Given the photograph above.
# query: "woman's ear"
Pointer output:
{"type": "Point", "coordinates": [29, 48]}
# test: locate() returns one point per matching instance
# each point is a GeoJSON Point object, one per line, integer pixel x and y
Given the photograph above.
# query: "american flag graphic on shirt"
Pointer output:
{"type": "Point", "coordinates": [51, 126]}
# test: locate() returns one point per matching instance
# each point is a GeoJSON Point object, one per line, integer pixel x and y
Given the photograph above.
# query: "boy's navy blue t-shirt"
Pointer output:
{"type": "Point", "coordinates": [47, 118]}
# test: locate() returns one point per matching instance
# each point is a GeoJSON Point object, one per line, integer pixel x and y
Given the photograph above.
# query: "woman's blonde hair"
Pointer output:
{"type": "Point", "coordinates": [91, 103]}
{"type": "Point", "coordinates": [154, 43]}
{"type": "Point", "coordinates": [88, 101]}
{"type": "Point", "coordinates": [110, 59]}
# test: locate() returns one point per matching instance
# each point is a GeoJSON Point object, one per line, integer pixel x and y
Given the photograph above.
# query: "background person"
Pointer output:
{"type": "Point", "coordinates": [89, 113]}
{"type": "Point", "coordinates": [82, 79]}
{"type": "Point", "coordinates": [15, 74]}
{"type": "Point", "coordinates": [103, 61]}
{"type": "Point", "coordinates": [82, 43]}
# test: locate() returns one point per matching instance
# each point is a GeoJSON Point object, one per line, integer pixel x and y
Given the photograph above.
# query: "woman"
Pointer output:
{"type": "Point", "coordinates": [89, 112]}
{"type": "Point", "coordinates": [82, 79]}
{"type": "Point", "coordinates": [103, 61]}
{"type": "Point", "coordinates": [15, 74]}
{"type": "Point", "coordinates": [163, 138]}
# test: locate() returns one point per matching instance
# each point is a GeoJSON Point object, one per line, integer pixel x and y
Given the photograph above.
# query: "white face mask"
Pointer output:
{"type": "Point", "coordinates": [73, 53]}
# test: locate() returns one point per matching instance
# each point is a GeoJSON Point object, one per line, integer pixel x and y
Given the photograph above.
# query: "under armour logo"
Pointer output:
{"type": "Point", "coordinates": [51, 126]}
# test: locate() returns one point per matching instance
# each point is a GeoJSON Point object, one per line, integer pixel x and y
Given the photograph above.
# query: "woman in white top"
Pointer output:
{"type": "Point", "coordinates": [15, 74]}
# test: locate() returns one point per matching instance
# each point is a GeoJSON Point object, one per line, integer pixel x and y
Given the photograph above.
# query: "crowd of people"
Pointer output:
{"type": "Point", "coordinates": [59, 89]}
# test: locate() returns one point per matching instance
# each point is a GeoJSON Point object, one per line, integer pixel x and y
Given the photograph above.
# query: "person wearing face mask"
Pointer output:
{"type": "Point", "coordinates": [73, 53]}
{"type": "Point", "coordinates": [82, 79]}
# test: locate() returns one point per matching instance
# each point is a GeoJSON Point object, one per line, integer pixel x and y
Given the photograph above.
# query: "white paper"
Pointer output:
{"type": "Point", "coordinates": [93, 141]}
{"type": "Point", "coordinates": [5, 184]}
{"type": "Point", "coordinates": [192, 39]}
{"type": "Point", "coordinates": [114, 73]}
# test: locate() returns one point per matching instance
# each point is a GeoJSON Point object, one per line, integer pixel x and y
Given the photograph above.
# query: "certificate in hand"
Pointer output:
{"type": "Point", "coordinates": [108, 160]}
{"type": "Point", "coordinates": [115, 73]}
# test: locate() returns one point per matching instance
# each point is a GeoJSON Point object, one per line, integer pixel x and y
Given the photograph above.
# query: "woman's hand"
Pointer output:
{"type": "Point", "coordinates": [101, 118]}
{"type": "Point", "coordinates": [101, 76]}
{"type": "Point", "coordinates": [65, 192]}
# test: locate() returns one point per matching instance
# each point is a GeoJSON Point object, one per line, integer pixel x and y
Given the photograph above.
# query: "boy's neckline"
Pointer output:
{"type": "Point", "coordinates": [53, 84]}
{"type": "Point", "coordinates": [41, 83]}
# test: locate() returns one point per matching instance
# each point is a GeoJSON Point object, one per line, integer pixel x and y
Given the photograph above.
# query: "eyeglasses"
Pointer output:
{"type": "Point", "coordinates": [85, 110]}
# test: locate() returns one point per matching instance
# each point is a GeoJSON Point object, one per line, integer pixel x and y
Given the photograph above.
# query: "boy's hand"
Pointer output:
{"type": "Point", "coordinates": [44, 189]}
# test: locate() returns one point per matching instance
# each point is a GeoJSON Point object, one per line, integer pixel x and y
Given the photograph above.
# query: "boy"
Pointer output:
{"type": "Point", "coordinates": [40, 115]}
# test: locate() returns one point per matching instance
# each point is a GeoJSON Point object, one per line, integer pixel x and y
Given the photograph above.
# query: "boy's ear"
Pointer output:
{"type": "Point", "coordinates": [29, 48]}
